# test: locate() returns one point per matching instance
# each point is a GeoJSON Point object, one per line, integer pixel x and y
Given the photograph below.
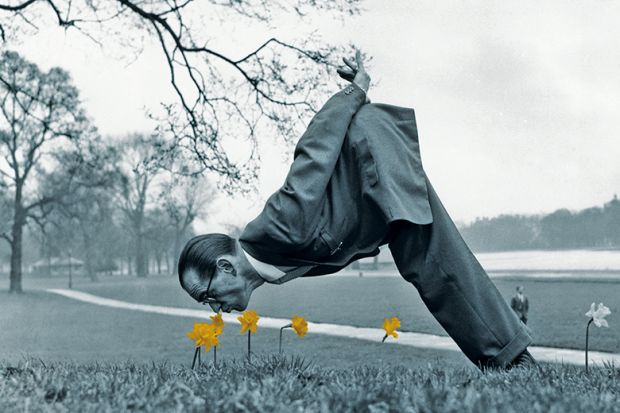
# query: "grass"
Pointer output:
{"type": "Point", "coordinates": [289, 384]}
{"type": "Point", "coordinates": [58, 354]}
{"type": "Point", "coordinates": [53, 328]}
{"type": "Point", "coordinates": [557, 308]}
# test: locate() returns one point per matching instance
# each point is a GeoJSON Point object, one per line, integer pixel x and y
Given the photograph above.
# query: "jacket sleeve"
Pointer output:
{"type": "Point", "coordinates": [291, 214]}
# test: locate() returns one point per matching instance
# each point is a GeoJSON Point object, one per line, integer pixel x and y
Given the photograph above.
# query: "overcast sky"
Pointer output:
{"type": "Point", "coordinates": [517, 103]}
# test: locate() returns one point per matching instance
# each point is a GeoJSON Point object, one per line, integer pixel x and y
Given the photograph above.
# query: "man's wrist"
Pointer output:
{"type": "Point", "coordinates": [367, 99]}
{"type": "Point", "coordinates": [361, 87]}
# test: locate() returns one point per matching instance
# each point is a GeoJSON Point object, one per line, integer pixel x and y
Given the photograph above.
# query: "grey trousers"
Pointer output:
{"type": "Point", "coordinates": [456, 289]}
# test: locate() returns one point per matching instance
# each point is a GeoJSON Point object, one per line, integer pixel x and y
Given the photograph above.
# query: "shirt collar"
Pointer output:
{"type": "Point", "coordinates": [267, 272]}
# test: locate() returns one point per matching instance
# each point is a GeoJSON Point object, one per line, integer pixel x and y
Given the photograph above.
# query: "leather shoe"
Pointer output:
{"type": "Point", "coordinates": [523, 360]}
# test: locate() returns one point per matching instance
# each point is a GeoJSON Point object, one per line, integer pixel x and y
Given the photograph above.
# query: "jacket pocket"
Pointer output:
{"type": "Point", "coordinates": [333, 245]}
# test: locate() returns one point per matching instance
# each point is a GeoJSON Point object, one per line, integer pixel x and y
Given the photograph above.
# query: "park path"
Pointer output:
{"type": "Point", "coordinates": [430, 341]}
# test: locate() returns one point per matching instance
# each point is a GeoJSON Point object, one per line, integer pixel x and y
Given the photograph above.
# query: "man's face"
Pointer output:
{"type": "Point", "coordinates": [230, 290]}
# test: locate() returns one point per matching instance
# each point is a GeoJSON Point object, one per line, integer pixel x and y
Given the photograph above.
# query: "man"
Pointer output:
{"type": "Point", "coordinates": [520, 304]}
{"type": "Point", "coordinates": [356, 183]}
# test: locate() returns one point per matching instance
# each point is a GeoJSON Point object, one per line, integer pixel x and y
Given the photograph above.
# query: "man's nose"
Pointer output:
{"type": "Point", "coordinates": [215, 307]}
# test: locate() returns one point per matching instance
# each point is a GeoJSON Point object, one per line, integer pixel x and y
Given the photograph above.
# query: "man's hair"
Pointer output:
{"type": "Point", "coordinates": [201, 252]}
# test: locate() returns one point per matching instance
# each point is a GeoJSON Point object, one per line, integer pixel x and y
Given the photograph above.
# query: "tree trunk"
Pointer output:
{"type": "Point", "coordinates": [177, 246]}
{"type": "Point", "coordinates": [90, 267]}
{"type": "Point", "coordinates": [168, 263]}
{"type": "Point", "coordinates": [88, 256]}
{"type": "Point", "coordinates": [141, 269]}
{"type": "Point", "coordinates": [16, 246]}
{"type": "Point", "coordinates": [158, 260]}
{"type": "Point", "coordinates": [48, 257]}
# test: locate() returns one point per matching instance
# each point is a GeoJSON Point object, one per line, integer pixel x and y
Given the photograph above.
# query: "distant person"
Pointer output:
{"type": "Point", "coordinates": [357, 182]}
{"type": "Point", "coordinates": [520, 304]}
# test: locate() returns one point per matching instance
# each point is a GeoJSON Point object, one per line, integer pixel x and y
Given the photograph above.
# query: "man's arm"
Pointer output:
{"type": "Point", "coordinates": [292, 213]}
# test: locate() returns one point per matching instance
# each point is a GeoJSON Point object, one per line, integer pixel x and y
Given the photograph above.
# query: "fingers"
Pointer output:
{"type": "Point", "coordinates": [346, 74]}
{"type": "Point", "coordinates": [358, 59]}
{"type": "Point", "coordinates": [359, 63]}
{"type": "Point", "coordinates": [349, 63]}
{"type": "Point", "coordinates": [355, 71]}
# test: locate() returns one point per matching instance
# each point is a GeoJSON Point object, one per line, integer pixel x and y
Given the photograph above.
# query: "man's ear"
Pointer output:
{"type": "Point", "coordinates": [226, 266]}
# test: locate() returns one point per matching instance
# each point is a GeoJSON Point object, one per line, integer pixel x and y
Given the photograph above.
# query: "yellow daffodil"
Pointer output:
{"type": "Point", "coordinates": [390, 326]}
{"type": "Point", "coordinates": [218, 322]}
{"type": "Point", "coordinates": [198, 333]}
{"type": "Point", "coordinates": [249, 320]}
{"type": "Point", "coordinates": [204, 334]}
{"type": "Point", "coordinates": [300, 325]}
{"type": "Point", "coordinates": [209, 338]}
{"type": "Point", "coordinates": [598, 314]}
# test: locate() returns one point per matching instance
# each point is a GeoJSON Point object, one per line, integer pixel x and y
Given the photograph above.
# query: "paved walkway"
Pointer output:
{"type": "Point", "coordinates": [548, 354]}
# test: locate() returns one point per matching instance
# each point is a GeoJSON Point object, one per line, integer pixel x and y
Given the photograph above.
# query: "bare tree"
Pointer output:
{"type": "Point", "coordinates": [184, 199]}
{"type": "Point", "coordinates": [273, 87]}
{"type": "Point", "coordinates": [40, 116]}
{"type": "Point", "coordinates": [138, 173]}
{"type": "Point", "coordinates": [82, 219]}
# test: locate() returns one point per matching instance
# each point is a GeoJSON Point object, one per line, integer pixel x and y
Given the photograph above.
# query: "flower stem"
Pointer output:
{"type": "Point", "coordinates": [249, 350]}
{"type": "Point", "coordinates": [384, 337]}
{"type": "Point", "coordinates": [195, 355]}
{"type": "Point", "coordinates": [587, 337]}
{"type": "Point", "coordinates": [281, 330]}
{"type": "Point", "coordinates": [214, 356]}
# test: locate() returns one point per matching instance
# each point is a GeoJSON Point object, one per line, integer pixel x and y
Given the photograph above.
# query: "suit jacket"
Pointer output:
{"type": "Point", "coordinates": [520, 307]}
{"type": "Point", "coordinates": [355, 169]}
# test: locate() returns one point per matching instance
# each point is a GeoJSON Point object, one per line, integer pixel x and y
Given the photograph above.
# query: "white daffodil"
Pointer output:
{"type": "Point", "coordinates": [598, 314]}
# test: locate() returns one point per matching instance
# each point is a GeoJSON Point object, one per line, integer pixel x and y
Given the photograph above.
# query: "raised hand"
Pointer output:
{"type": "Point", "coordinates": [355, 72]}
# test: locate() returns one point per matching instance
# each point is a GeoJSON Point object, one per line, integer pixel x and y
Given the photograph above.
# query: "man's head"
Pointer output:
{"type": "Point", "coordinates": [213, 269]}
{"type": "Point", "coordinates": [520, 289]}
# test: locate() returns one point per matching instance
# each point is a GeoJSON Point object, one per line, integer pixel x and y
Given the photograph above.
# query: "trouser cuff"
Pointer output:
{"type": "Point", "coordinates": [511, 350]}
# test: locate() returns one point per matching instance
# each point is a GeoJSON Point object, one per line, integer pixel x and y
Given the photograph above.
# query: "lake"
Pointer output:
{"type": "Point", "coordinates": [577, 263]}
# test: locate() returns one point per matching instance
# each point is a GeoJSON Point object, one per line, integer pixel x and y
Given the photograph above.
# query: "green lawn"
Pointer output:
{"type": "Point", "coordinates": [58, 354]}
{"type": "Point", "coordinates": [54, 328]}
{"type": "Point", "coordinates": [277, 384]}
{"type": "Point", "coordinates": [557, 308]}
{"type": "Point", "coordinates": [57, 328]}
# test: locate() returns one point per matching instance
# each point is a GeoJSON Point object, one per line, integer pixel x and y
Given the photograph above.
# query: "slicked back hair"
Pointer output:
{"type": "Point", "coordinates": [201, 252]}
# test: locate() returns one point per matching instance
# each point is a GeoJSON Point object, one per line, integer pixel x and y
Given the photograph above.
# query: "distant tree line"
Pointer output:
{"type": "Point", "coordinates": [596, 227]}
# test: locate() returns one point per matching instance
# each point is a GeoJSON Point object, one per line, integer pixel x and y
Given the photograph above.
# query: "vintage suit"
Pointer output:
{"type": "Point", "coordinates": [520, 307]}
{"type": "Point", "coordinates": [357, 182]}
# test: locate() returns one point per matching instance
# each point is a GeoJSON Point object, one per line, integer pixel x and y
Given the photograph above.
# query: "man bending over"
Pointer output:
{"type": "Point", "coordinates": [357, 182]}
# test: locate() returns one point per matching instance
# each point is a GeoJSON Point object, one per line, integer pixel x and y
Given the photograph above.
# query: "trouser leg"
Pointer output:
{"type": "Point", "coordinates": [456, 289]}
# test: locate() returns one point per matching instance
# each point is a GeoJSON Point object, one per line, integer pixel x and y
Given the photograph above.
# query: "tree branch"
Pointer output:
{"type": "Point", "coordinates": [21, 6]}
{"type": "Point", "coordinates": [7, 237]}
